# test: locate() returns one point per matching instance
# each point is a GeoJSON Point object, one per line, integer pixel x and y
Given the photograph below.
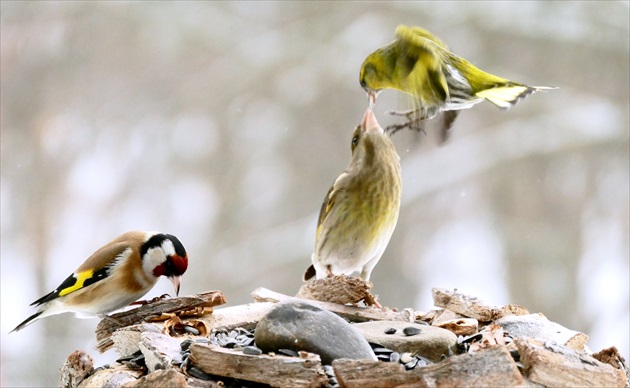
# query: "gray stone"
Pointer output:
{"type": "Point", "coordinates": [300, 326]}
{"type": "Point", "coordinates": [431, 342]}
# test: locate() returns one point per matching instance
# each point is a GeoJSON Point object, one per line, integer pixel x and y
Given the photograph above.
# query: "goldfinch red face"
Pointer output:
{"type": "Point", "coordinates": [117, 274]}
{"type": "Point", "coordinates": [164, 255]}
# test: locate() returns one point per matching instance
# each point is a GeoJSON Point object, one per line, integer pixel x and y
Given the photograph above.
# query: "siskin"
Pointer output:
{"type": "Point", "coordinates": [421, 65]}
{"type": "Point", "coordinates": [360, 211]}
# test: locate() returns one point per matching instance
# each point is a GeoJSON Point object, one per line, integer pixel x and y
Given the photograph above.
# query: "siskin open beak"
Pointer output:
{"type": "Point", "coordinates": [175, 280]}
{"type": "Point", "coordinates": [369, 123]}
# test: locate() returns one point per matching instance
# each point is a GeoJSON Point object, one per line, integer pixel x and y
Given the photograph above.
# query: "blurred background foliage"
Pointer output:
{"type": "Point", "coordinates": [225, 123]}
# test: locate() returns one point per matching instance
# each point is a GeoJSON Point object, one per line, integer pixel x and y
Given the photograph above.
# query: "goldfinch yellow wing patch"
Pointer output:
{"type": "Point", "coordinates": [73, 283]}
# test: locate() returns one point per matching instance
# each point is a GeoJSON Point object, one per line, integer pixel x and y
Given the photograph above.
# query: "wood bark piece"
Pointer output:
{"type": "Point", "coordinates": [472, 307]}
{"type": "Point", "coordinates": [127, 340]}
{"type": "Point", "coordinates": [338, 289]}
{"type": "Point", "coordinates": [538, 326]}
{"type": "Point", "coordinates": [160, 378]}
{"type": "Point", "coordinates": [76, 367]}
{"type": "Point", "coordinates": [550, 364]}
{"type": "Point", "coordinates": [111, 377]}
{"type": "Point", "coordinates": [246, 316]}
{"type": "Point", "coordinates": [114, 322]}
{"type": "Point", "coordinates": [351, 313]}
{"type": "Point", "coordinates": [612, 356]}
{"type": "Point", "coordinates": [277, 371]}
{"type": "Point", "coordinates": [159, 350]}
{"type": "Point", "coordinates": [373, 374]}
{"type": "Point", "coordinates": [460, 326]}
{"type": "Point", "coordinates": [491, 367]}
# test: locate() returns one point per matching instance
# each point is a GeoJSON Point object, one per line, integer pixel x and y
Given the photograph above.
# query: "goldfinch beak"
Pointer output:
{"type": "Point", "coordinates": [175, 280]}
{"type": "Point", "coordinates": [369, 123]}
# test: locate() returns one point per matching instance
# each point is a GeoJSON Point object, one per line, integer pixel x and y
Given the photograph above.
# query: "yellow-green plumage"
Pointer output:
{"type": "Point", "coordinates": [421, 65]}
{"type": "Point", "coordinates": [360, 211]}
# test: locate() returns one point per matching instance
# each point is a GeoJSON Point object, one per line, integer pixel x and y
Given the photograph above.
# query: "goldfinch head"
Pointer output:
{"type": "Point", "coordinates": [164, 255]}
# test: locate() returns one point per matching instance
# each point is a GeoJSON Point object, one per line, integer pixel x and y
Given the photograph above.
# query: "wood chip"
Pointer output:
{"type": "Point", "coordinates": [277, 371]}
{"type": "Point", "coordinates": [111, 377]}
{"type": "Point", "coordinates": [373, 374]}
{"type": "Point", "coordinates": [611, 356]}
{"type": "Point", "coordinates": [470, 306]}
{"type": "Point", "coordinates": [76, 367]}
{"type": "Point", "coordinates": [538, 326]}
{"type": "Point", "coordinates": [550, 364]}
{"type": "Point", "coordinates": [351, 313]}
{"type": "Point", "coordinates": [159, 350]}
{"type": "Point", "coordinates": [110, 324]}
{"type": "Point", "coordinates": [127, 340]}
{"type": "Point", "coordinates": [338, 289]}
{"type": "Point", "coordinates": [460, 326]}
{"type": "Point", "coordinates": [491, 367]}
{"type": "Point", "coordinates": [160, 378]}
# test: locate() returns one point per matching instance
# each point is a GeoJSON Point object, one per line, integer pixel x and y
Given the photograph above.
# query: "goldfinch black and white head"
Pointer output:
{"type": "Point", "coordinates": [117, 274]}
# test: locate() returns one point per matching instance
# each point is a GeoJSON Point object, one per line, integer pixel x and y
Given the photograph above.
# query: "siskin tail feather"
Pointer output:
{"type": "Point", "coordinates": [507, 96]}
{"type": "Point", "coordinates": [27, 321]}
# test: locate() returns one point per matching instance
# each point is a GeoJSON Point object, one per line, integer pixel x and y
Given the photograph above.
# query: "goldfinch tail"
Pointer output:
{"type": "Point", "coordinates": [27, 321]}
{"type": "Point", "coordinates": [508, 95]}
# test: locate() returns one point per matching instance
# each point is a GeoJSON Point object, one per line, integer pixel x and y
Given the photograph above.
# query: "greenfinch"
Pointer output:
{"type": "Point", "coordinates": [421, 65]}
{"type": "Point", "coordinates": [360, 211]}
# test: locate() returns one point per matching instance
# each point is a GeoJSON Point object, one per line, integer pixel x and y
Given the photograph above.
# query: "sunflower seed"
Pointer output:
{"type": "Point", "coordinates": [191, 330]}
{"type": "Point", "coordinates": [185, 344]}
{"type": "Point", "coordinates": [411, 364]}
{"type": "Point", "coordinates": [288, 352]}
{"type": "Point", "coordinates": [410, 330]}
{"type": "Point", "coordinates": [198, 373]}
{"type": "Point", "coordinates": [406, 358]}
{"type": "Point", "coordinates": [252, 350]}
{"type": "Point", "coordinates": [394, 357]}
{"type": "Point", "coordinates": [390, 330]}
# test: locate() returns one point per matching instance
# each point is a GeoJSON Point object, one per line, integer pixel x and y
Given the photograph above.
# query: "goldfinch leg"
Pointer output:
{"type": "Point", "coordinates": [114, 320]}
{"type": "Point", "coordinates": [143, 302]}
{"type": "Point", "coordinates": [329, 272]}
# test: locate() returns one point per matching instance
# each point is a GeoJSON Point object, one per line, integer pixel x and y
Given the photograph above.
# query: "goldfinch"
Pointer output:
{"type": "Point", "coordinates": [360, 211]}
{"type": "Point", "coordinates": [115, 275]}
{"type": "Point", "coordinates": [419, 64]}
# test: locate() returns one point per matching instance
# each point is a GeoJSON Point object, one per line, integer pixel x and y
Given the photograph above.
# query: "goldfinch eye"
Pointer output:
{"type": "Point", "coordinates": [355, 141]}
{"type": "Point", "coordinates": [363, 84]}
